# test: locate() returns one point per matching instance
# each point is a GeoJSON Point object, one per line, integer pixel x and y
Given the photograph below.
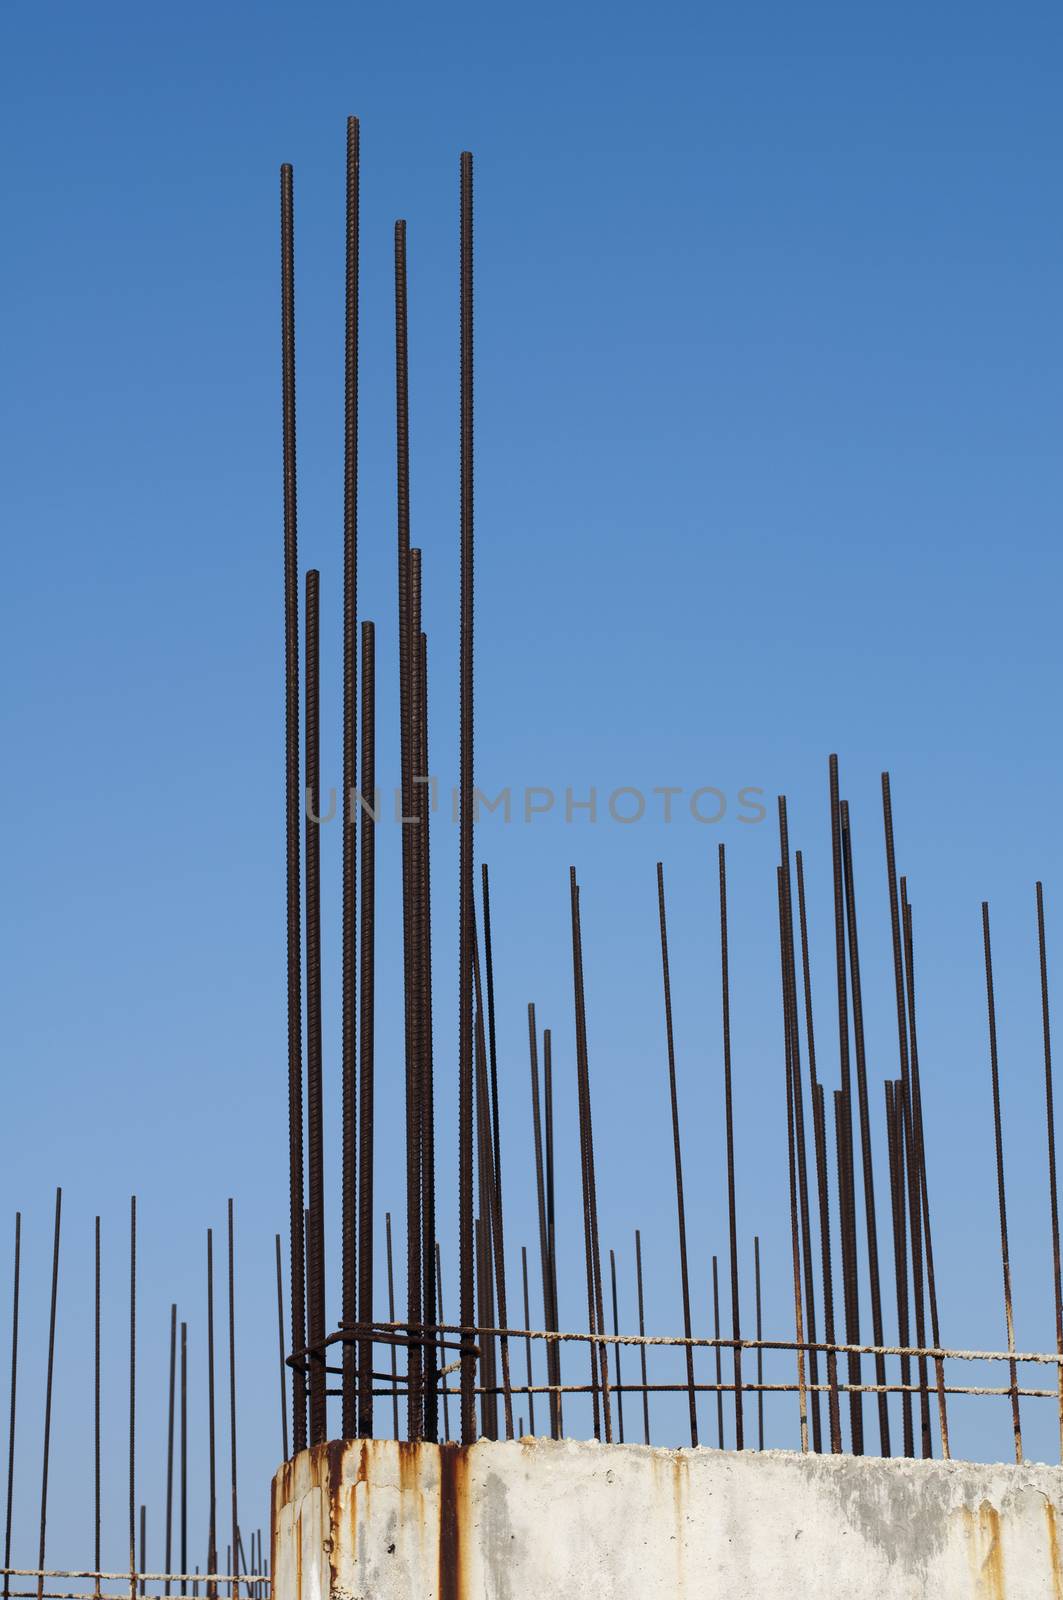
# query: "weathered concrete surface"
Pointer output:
{"type": "Point", "coordinates": [534, 1520]}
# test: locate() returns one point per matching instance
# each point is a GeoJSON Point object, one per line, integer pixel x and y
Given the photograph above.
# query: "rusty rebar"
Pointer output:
{"type": "Point", "coordinates": [819, 1136]}
{"type": "Point", "coordinates": [232, 1387]}
{"type": "Point", "coordinates": [367, 1028]}
{"type": "Point", "coordinates": [428, 1137]}
{"type": "Point", "coordinates": [442, 1345]}
{"type": "Point", "coordinates": [847, 1200]}
{"type": "Point", "coordinates": [790, 1003]}
{"type": "Point", "coordinates": [494, 1138]}
{"type": "Point", "coordinates": [676, 1141]}
{"type": "Point", "coordinates": [132, 1389]}
{"type": "Point", "coordinates": [540, 1196]}
{"type": "Point", "coordinates": [283, 1366]}
{"type": "Point", "coordinates": [315, 1132]}
{"type": "Point", "coordinates": [49, 1379]}
{"type": "Point", "coordinates": [1050, 1126]}
{"type": "Point", "coordinates": [717, 1353]}
{"type": "Point", "coordinates": [895, 1140]}
{"type": "Point", "coordinates": [551, 1215]}
{"type": "Point", "coordinates": [16, 1275]}
{"type": "Point", "coordinates": [795, 1229]}
{"type": "Point", "coordinates": [1005, 1260]}
{"type": "Point", "coordinates": [171, 1399]}
{"type": "Point", "coordinates": [866, 1156]}
{"type": "Point", "coordinates": [618, 1384]}
{"type": "Point", "coordinates": [349, 1204]}
{"type": "Point", "coordinates": [923, 1192]}
{"type": "Point", "coordinates": [292, 804]}
{"type": "Point", "coordinates": [466, 801]}
{"type": "Point", "coordinates": [184, 1438]}
{"type": "Point", "coordinates": [732, 1218]}
{"type": "Point", "coordinates": [212, 1514]}
{"type": "Point", "coordinates": [527, 1343]}
{"type": "Point", "coordinates": [97, 1496]}
{"type": "Point", "coordinates": [642, 1335]}
{"type": "Point", "coordinates": [391, 1318]}
{"type": "Point", "coordinates": [760, 1335]}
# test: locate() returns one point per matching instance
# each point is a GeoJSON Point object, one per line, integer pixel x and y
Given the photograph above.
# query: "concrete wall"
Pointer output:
{"type": "Point", "coordinates": [534, 1520]}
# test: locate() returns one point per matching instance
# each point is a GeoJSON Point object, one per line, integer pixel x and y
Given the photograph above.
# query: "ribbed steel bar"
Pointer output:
{"type": "Point", "coordinates": [184, 1437]}
{"type": "Point", "coordinates": [732, 1217]}
{"type": "Point", "coordinates": [315, 1128]}
{"type": "Point", "coordinates": [866, 1156]}
{"type": "Point", "coordinates": [442, 1348]}
{"type": "Point", "coordinates": [494, 1137]}
{"type": "Point", "coordinates": [350, 1295]}
{"type": "Point", "coordinates": [587, 1141]}
{"type": "Point", "coordinates": [819, 1136]}
{"type": "Point", "coordinates": [292, 806]}
{"type": "Point", "coordinates": [1050, 1126]}
{"type": "Point", "coordinates": [795, 1226]}
{"type": "Point", "coordinates": [466, 801]}
{"type": "Point", "coordinates": [919, 1147]}
{"type": "Point", "coordinates": [16, 1275]}
{"type": "Point", "coordinates": [554, 1364]}
{"type": "Point", "coordinates": [132, 1389]}
{"type": "Point", "coordinates": [540, 1195]}
{"type": "Point", "coordinates": [790, 1003]}
{"type": "Point", "coordinates": [49, 1380]}
{"type": "Point", "coordinates": [425, 1034]}
{"type": "Point", "coordinates": [618, 1384]}
{"type": "Point", "coordinates": [684, 1274]}
{"type": "Point", "coordinates": [212, 1486]}
{"type": "Point", "coordinates": [232, 1387]}
{"type": "Point", "coordinates": [170, 1408]}
{"type": "Point", "coordinates": [760, 1335]}
{"type": "Point", "coordinates": [642, 1335]}
{"type": "Point", "coordinates": [485, 1204]}
{"type": "Point", "coordinates": [527, 1343]}
{"type": "Point", "coordinates": [847, 1199]}
{"type": "Point", "coordinates": [391, 1318]}
{"type": "Point", "coordinates": [1005, 1259]}
{"type": "Point", "coordinates": [367, 1029]}
{"type": "Point", "coordinates": [717, 1353]}
{"type": "Point", "coordinates": [96, 1418]}
{"type": "Point", "coordinates": [895, 1140]}
{"type": "Point", "coordinates": [280, 1341]}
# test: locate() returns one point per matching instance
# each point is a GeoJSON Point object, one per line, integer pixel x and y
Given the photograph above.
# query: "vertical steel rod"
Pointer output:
{"type": "Point", "coordinates": [391, 1318]}
{"type": "Point", "coordinates": [212, 1513]}
{"type": "Point", "coordinates": [367, 1029]}
{"type": "Point", "coordinates": [717, 1352]}
{"type": "Point", "coordinates": [677, 1151]}
{"type": "Point", "coordinates": [349, 1296]}
{"type": "Point", "coordinates": [184, 1445]}
{"type": "Point", "coordinates": [616, 1356]}
{"type": "Point", "coordinates": [465, 866]}
{"type": "Point", "coordinates": [795, 1228]}
{"type": "Point", "coordinates": [132, 1392]}
{"type": "Point", "coordinates": [232, 1388]}
{"type": "Point", "coordinates": [494, 1138]}
{"type": "Point", "coordinates": [642, 1335]}
{"type": "Point", "coordinates": [292, 807]}
{"type": "Point", "coordinates": [1005, 1260]}
{"type": "Point", "coordinates": [48, 1392]}
{"type": "Point", "coordinates": [171, 1398]}
{"type": "Point", "coordinates": [315, 1131]}
{"type": "Point", "coordinates": [732, 1220]}
{"type": "Point", "coordinates": [527, 1342]}
{"type": "Point", "coordinates": [847, 1195]}
{"type": "Point", "coordinates": [96, 1420]}
{"type": "Point", "coordinates": [1050, 1125]}
{"type": "Point", "coordinates": [13, 1399]}
{"type": "Point", "coordinates": [760, 1352]}
{"type": "Point", "coordinates": [442, 1345]}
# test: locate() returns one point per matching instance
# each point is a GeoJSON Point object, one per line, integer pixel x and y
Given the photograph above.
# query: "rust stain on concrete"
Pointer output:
{"type": "Point", "coordinates": [453, 1522]}
{"type": "Point", "coordinates": [1053, 1549]}
{"type": "Point", "coordinates": [983, 1529]}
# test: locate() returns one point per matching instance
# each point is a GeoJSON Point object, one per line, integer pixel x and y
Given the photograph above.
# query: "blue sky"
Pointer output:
{"type": "Point", "coordinates": [767, 425]}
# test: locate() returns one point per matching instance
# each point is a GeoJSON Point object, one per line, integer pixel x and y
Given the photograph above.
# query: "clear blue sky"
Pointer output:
{"type": "Point", "coordinates": [769, 357]}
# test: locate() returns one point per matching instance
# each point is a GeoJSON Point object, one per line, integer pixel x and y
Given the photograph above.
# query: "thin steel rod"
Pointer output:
{"type": "Point", "coordinates": [795, 1228]}
{"type": "Point", "coordinates": [315, 1130]}
{"type": "Point", "coordinates": [819, 1136]}
{"type": "Point", "coordinates": [212, 1510]}
{"type": "Point", "coordinates": [280, 1342]}
{"type": "Point", "coordinates": [96, 1414]}
{"type": "Point", "coordinates": [232, 1382]}
{"type": "Point", "coordinates": [732, 1218]}
{"type": "Point", "coordinates": [1050, 1126]}
{"type": "Point", "coordinates": [866, 1157]}
{"type": "Point", "coordinates": [292, 804]}
{"type": "Point", "coordinates": [440, 1318]}
{"type": "Point", "coordinates": [132, 1389]}
{"type": "Point", "coordinates": [919, 1148]}
{"type": "Point", "coordinates": [13, 1399]}
{"type": "Point", "coordinates": [184, 1441]}
{"type": "Point", "coordinates": [424, 926]}
{"type": "Point", "coordinates": [717, 1352]}
{"type": "Point", "coordinates": [894, 1125]}
{"type": "Point", "coordinates": [350, 1297]}
{"type": "Point", "coordinates": [847, 1196]}
{"type": "Point", "coordinates": [616, 1354]}
{"type": "Point", "coordinates": [676, 1142]}
{"type": "Point", "coordinates": [48, 1386]}
{"type": "Point", "coordinates": [171, 1399]}
{"type": "Point", "coordinates": [588, 1140]}
{"type": "Point", "coordinates": [143, 1547]}
{"type": "Point", "coordinates": [760, 1335]}
{"type": "Point", "coordinates": [1005, 1260]}
{"type": "Point", "coordinates": [540, 1196]}
{"type": "Point", "coordinates": [790, 1002]}
{"type": "Point", "coordinates": [551, 1215]}
{"type": "Point", "coordinates": [367, 1027]}
{"type": "Point", "coordinates": [485, 1221]}
{"type": "Point", "coordinates": [642, 1334]}
{"type": "Point", "coordinates": [527, 1342]}
{"type": "Point", "coordinates": [465, 847]}
{"type": "Point", "coordinates": [495, 1139]}
{"type": "Point", "coordinates": [391, 1317]}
